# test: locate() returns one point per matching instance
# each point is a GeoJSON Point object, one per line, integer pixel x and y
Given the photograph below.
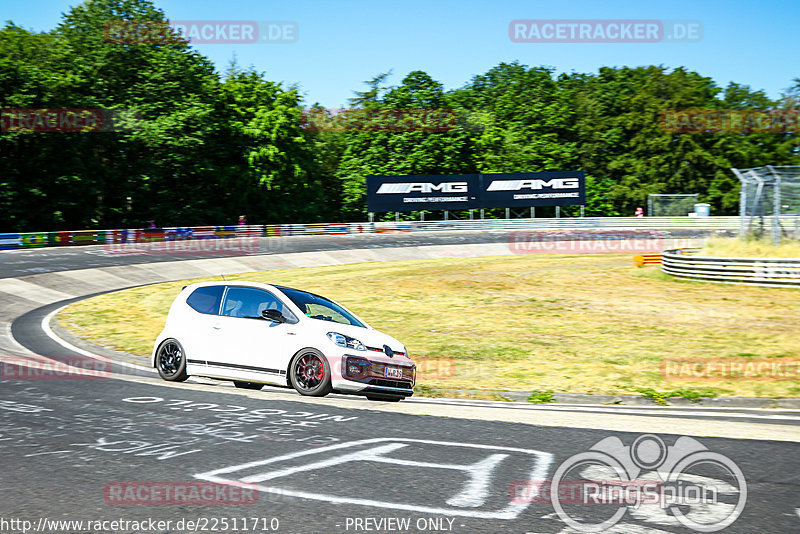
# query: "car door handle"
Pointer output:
{"type": "Point", "coordinates": [216, 327]}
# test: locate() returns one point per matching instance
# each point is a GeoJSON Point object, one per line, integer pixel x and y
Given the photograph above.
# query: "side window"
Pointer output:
{"type": "Point", "coordinates": [206, 299]}
{"type": "Point", "coordinates": [249, 302]}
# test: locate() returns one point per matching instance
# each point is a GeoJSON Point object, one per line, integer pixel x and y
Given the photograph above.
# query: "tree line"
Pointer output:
{"type": "Point", "coordinates": [195, 146]}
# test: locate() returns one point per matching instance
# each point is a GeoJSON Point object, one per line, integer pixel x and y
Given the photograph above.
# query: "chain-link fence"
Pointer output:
{"type": "Point", "coordinates": [659, 205]}
{"type": "Point", "coordinates": [767, 193]}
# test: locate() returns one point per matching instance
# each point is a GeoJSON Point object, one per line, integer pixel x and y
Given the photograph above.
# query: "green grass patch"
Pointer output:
{"type": "Point", "coordinates": [541, 397]}
{"type": "Point", "coordinates": [661, 397]}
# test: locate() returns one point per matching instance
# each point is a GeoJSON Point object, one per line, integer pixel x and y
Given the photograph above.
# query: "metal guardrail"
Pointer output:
{"type": "Point", "coordinates": [640, 260]}
{"type": "Point", "coordinates": [99, 237]}
{"type": "Point", "coordinates": [626, 223]}
{"type": "Point", "coordinates": [767, 272]}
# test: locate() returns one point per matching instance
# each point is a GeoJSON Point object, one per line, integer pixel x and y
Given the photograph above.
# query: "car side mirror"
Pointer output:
{"type": "Point", "coordinates": [273, 315]}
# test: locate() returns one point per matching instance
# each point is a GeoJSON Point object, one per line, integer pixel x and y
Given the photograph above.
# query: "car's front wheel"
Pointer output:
{"type": "Point", "coordinates": [171, 361]}
{"type": "Point", "coordinates": [247, 385]}
{"type": "Point", "coordinates": [310, 374]}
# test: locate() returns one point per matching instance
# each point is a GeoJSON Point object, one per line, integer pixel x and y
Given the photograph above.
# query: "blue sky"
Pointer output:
{"type": "Point", "coordinates": [341, 43]}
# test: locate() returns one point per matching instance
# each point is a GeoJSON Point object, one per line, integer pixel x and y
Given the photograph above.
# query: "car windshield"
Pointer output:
{"type": "Point", "coordinates": [320, 308]}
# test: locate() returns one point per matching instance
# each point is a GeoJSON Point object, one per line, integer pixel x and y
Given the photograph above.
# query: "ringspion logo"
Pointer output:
{"type": "Point", "coordinates": [685, 483]}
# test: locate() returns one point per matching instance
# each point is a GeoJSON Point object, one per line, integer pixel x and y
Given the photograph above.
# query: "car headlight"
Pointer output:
{"type": "Point", "coordinates": [346, 341]}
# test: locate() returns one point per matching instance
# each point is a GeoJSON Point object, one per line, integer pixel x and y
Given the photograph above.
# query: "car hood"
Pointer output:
{"type": "Point", "coordinates": [368, 336]}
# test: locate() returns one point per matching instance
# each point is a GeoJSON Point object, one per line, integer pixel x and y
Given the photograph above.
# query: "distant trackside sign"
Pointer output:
{"type": "Point", "coordinates": [471, 191]}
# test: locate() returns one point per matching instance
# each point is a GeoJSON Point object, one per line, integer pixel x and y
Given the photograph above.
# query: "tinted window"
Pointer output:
{"type": "Point", "coordinates": [249, 302]}
{"type": "Point", "coordinates": [206, 299]}
{"type": "Point", "coordinates": [320, 308]}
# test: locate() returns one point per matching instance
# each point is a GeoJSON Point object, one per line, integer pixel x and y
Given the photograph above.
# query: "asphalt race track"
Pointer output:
{"type": "Point", "coordinates": [204, 457]}
{"type": "Point", "coordinates": [45, 260]}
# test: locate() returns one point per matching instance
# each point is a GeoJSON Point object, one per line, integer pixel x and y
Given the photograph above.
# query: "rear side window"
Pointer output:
{"type": "Point", "coordinates": [206, 299]}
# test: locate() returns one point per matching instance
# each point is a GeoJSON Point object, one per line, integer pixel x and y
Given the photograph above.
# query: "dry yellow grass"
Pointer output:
{"type": "Point", "coordinates": [750, 248]}
{"type": "Point", "coordinates": [581, 323]}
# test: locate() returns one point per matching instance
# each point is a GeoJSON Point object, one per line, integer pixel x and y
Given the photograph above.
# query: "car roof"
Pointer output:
{"type": "Point", "coordinates": [302, 291]}
{"type": "Point", "coordinates": [246, 283]}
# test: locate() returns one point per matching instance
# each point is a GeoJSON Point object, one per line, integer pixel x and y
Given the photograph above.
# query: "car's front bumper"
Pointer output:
{"type": "Point", "coordinates": [373, 377]}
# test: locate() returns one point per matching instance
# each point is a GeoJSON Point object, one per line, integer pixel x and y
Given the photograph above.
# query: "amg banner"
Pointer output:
{"type": "Point", "coordinates": [525, 189]}
{"type": "Point", "coordinates": [472, 191]}
{"type": "Point", "coordinates": [426, 192]}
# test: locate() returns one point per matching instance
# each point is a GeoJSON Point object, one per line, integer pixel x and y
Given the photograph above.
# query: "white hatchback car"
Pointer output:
{"type": "Point", "coordinates": [256, 334]}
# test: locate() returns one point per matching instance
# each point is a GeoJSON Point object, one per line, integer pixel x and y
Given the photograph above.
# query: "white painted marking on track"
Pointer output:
{"type": "Point", "coordinates": [473, 494]}
{"type": "Point", "coordinates": [52, 335]}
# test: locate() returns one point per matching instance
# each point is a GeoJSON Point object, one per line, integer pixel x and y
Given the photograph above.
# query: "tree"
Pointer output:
{"type": "Point", "coordinates": [276, 178]}
{"type": "Point", "coordinates": [373, 148]}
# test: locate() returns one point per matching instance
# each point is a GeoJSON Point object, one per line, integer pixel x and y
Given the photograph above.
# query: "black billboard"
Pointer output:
{"type": "Point", "coordinates": [423, 192]}
{"type": "Point", "coordinates": [473, 191]}
{"type": "Point", "coordinates": [526, 189]}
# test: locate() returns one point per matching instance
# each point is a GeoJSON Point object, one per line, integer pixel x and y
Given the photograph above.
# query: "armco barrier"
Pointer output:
{"type": "Point", "coordinates": [623, 223]}
{"type": "Point", "coordinates": [91, 237]}
{"type": "Point", "coordinates": [10, 241]}
{"type": "Point", "coordinates": [768, 272]}
{"type": "Point", "coordinates": [34, 240]}
{"type": "Point", "coordinates": [392, 227]}
{"type": "Point", "coordinates": [59, 238]}
{"type": "Point", "coordinates": [641, 260]}
{"type": "Point", "coordinates": [336, 229]}
{"type": "Point", "coordinates": [315, 229]}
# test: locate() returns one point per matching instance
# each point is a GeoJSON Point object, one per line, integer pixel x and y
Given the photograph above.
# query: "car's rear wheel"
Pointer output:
{"type": "Point", "coordinates": [382, 398]}
{"type": "Point", "coordinates": [171, 361]}
{"type": "Point", "coordinates": [247, 385]}
{"type": "Point", "coordinates": [310, 374]}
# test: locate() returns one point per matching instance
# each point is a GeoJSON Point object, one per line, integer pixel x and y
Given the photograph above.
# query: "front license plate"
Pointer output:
{"type": "Point", "coordinates": [393, 372]}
